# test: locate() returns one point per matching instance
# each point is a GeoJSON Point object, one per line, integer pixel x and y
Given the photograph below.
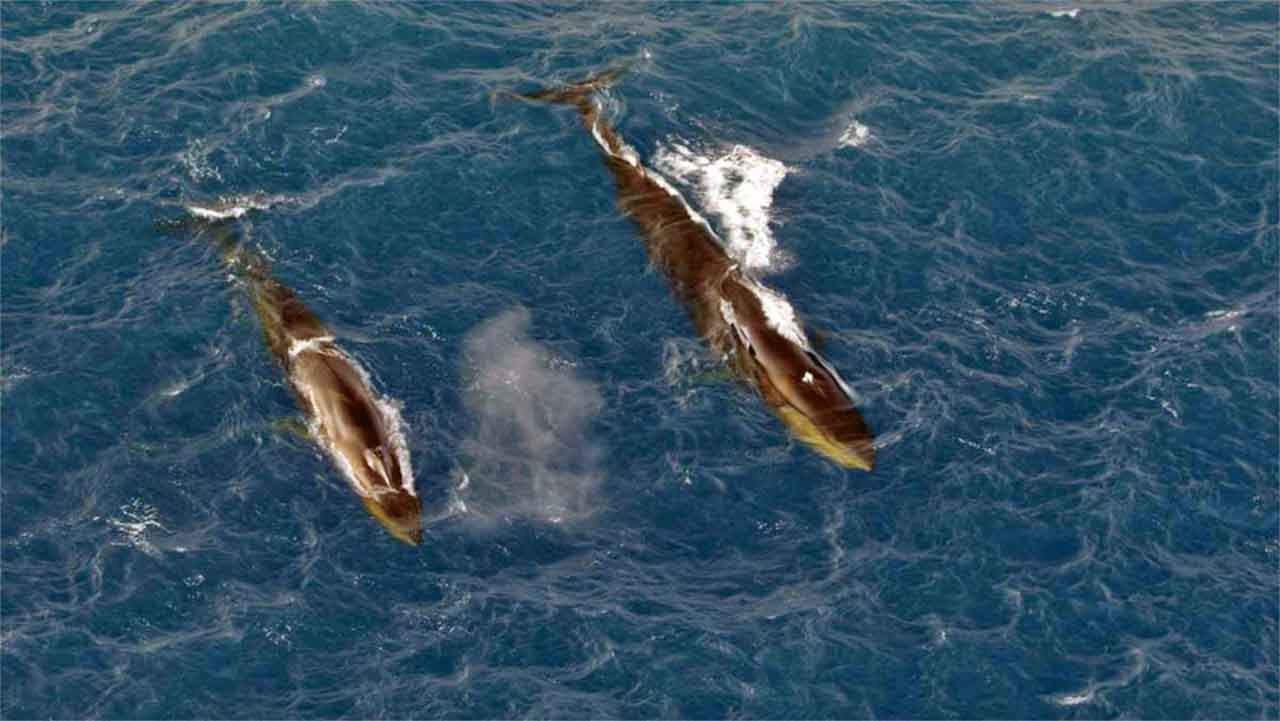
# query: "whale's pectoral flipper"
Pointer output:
{"type": "Point", "coordinates": [181, 226]}
{"type": "Point", "coordinates": [293, 427]}
{"type": "Point", "coordinates": [720, 374]}
{"type": "Point", "coordinates": [753, 327]}
{"type": "Point", "coordinates": [818, 337]}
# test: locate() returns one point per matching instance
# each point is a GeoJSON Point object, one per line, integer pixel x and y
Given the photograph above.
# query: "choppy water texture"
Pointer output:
{"type": "Point", "coordinates": [1041, 245]}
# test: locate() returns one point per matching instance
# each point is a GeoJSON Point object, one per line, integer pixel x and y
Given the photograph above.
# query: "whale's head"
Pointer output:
{"type": "Point", "coordinates": [842, 436]}
{"type": "Point", "coordinates": [399, 512]}
{"type": "Point", "coordinates": [814, 404]}
{"type": "Point", "coordinates": [798, 384]}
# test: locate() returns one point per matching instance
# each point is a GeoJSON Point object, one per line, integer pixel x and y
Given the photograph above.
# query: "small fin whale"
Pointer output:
{"type": "Point", "coordinates": [359, 431]}
{"type": "Point", "coordinates": [754, 327]}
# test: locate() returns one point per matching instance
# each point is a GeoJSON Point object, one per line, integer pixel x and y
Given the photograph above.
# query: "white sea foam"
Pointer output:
{"type": "Point", "coordinates": [595, 133]}
{"type": "Point", "coordinates": [196, 160]}
{"type": "Point", "coordinates": [177, 388]}
{"type": "Point", "coordinates": [136, 518]}
{"type": "Point", "coordinates": [1074, 699]}
{"type": "Point", "coordinates": [1217, 321]}
{"type": "Point", "coordinates": [232, 207]}
{"type": "Point", "coordinates": [855, 136]}
{"type": "Point", "coordinates": [1228, 314]}
{"type": "Point", "coordinates": [300, 346]}
{"type": "Point", "coordinates": [736, 185]}
{"type": "Point", "coordinates": [12, 373]}
{"type": "Point", "coordinates": [1072, 13]}
{"type": "Point", "coordinates": [234, 211]}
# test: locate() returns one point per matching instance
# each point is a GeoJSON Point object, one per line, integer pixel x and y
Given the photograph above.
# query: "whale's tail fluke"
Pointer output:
{"type": "Point", "coordinates": [579, 92]}
{"type": "Point", "coordinates": [579, 96]}
{"type": "Point", "coordinates": [221, 232]}
{"type": "Point", "coordinates": [218, 222]}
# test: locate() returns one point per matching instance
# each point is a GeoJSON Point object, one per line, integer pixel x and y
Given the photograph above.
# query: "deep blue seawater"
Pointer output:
{"type": "Point", "coordinates": [1042, 249]}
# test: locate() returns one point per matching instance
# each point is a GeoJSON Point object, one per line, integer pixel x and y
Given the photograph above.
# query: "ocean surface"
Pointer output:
{"type": "Point", "coordinates": [1039, 242]}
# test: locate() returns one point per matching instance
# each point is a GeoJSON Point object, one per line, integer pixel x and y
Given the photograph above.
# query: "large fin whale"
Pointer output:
{"type": "Point", "coordinates": [359, 431]}
{"type": "Point", "coordinates": [754, 327]}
